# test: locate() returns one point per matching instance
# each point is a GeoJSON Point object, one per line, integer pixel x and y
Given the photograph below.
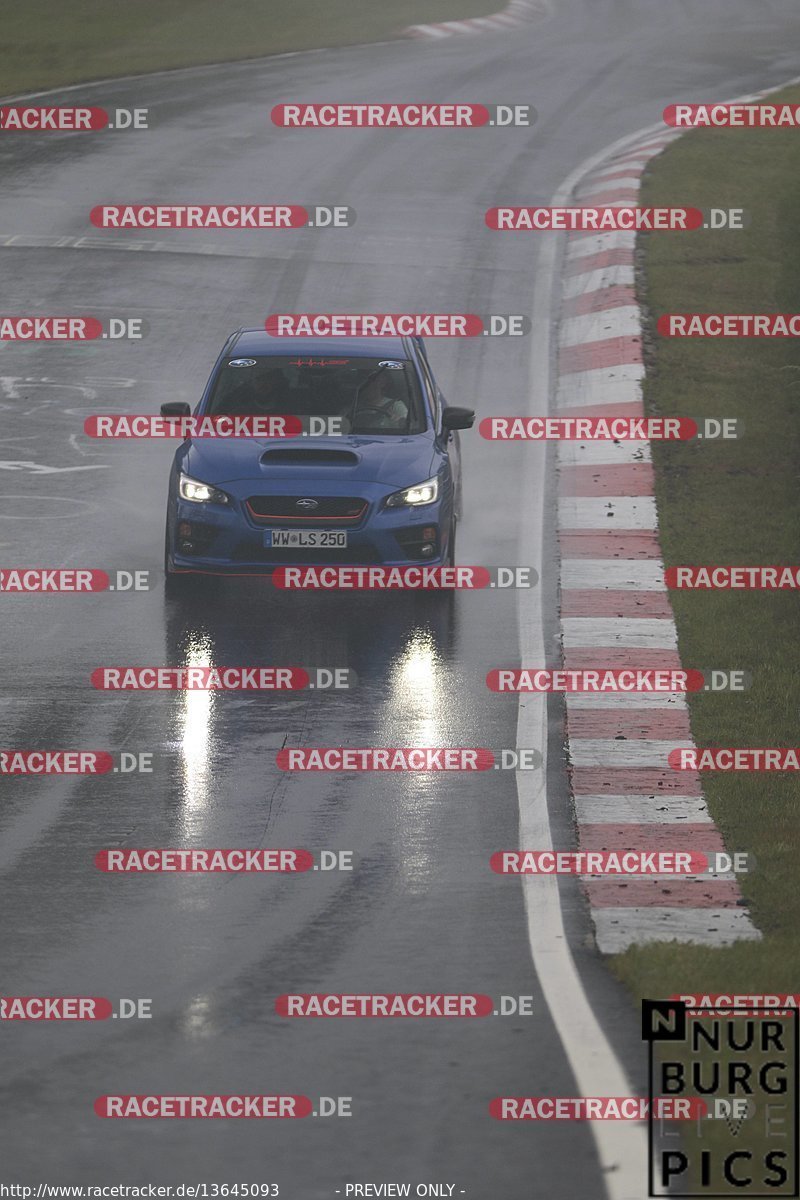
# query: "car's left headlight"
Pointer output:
{"type": "Point", "coordinates": [200, 493]}
{"type": "Point", "coordinates": [420, 493]}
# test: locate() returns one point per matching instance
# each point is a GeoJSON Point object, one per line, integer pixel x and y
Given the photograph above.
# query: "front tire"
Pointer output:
{"type": "Point", "coordinates": [176, 584]}
{"type": "Point", "coordinates": [451, 544]}
{"type": "Point", "coordinates": [444, 598]}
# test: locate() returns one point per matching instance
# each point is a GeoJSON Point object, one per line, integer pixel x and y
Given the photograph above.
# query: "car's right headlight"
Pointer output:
{"type": "Point", "coordinates": [419, 494]}
{"type": "Point", "coordinates": [200, 493]}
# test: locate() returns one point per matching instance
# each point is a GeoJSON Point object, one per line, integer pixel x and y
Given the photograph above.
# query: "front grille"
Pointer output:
{"type": "Point", "coordinates": [246, 552]}
{"type": "Point", "coordinates": [340, 511]}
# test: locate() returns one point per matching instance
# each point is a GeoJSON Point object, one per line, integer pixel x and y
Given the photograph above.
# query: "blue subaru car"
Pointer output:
{"type": "Point", "coordinates": [375, 476]}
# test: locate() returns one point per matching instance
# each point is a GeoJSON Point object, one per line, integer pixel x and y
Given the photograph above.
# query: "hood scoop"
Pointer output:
{"type": "Point", "coordinates": [301, 456]}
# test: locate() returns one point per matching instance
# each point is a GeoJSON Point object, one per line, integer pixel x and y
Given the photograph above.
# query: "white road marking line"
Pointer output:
{"type": "Point", "coordinates": [597, 280]}
{"type": "Point", "coordinates": [624, 321]}
{"type": "Point", "coordinates": [602, 453]}
{"type": "Point", "coordinates": [615, 574]}
{"type": "Point", "coordinates": [629, 752]}
{"type": "Point", "coordinates": [698, 877]}
{"type": "Point", "coordinates": [631, 164]}
{"type": "Point", "coordinates": [601, 385]}
{"type": "Point", "coordinates": [615, 199]}
{"type": "Point", "coordinates": [423, 31]}
{"type": "Point", "coordinates": [607, 512]}
{"type": "Point", "coordinates": [627, 183]}
{"type": "Point", "coordinates": [46, 241]}
{"type": "Point", "coordinates": [650, 633]}
{"type": "Point", "coordinates": [625, 700]}
{"type": "Point", "coordinates": [490, 24]}
{"type": "Point", "coordinates": [33, 468]}
{"type": "Point", "coordinates": [585, 389]}
{"type": "Point", "coordinates": [642, 810]}
{"type": "Point", "coordinates": [504, 21]}
{"type": "Point", "coordinates": [461, 27]}
{"type": "Point", "coordinates": [618, 928]}
{"type": "Point", "coordinates": [514, 16]}
{"type": "Point", "coordinates": [600, 243]}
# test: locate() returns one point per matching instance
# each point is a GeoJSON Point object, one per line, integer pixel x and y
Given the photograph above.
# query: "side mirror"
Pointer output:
{"type": "Point", "coordinates": [176, 408]}
{"type": "Point", "coordinates": [458, 418]}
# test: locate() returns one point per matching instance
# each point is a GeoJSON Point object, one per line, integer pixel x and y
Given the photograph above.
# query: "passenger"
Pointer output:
{"type": "Point", "coordinates": [260, 391]}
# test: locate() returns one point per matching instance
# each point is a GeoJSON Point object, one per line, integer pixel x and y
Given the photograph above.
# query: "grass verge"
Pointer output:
{"type": "Point", "coordinates": [733, 502]}
{"type": "Point", "coordinates": [46, 43]}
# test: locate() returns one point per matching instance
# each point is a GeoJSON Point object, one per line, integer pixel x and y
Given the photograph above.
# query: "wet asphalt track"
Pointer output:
{"type": "Point", "coordinates": [421, 911]}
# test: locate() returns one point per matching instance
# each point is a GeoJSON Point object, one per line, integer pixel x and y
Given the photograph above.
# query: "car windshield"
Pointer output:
{"type": "Point", "coordinates": [366, 395]}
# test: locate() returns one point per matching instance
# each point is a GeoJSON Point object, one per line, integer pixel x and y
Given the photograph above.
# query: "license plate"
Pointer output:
{"type": "Point", "coordinates": [305, 539]}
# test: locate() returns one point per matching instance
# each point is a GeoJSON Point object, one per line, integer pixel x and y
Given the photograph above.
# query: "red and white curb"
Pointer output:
{"type": "Point", "coordinates": [615, 608]}
{"type": "Point", "coordinates": [517, 13]}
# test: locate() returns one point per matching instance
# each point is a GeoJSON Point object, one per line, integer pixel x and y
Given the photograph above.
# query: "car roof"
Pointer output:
{"type": "Point", "coordinates": [258, 341]}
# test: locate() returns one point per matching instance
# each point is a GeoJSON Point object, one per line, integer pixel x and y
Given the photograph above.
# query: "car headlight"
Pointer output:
{"type": "Point", "coordinates": [200, 493]}
{"type": "Point", "coordinates": [420, 493]}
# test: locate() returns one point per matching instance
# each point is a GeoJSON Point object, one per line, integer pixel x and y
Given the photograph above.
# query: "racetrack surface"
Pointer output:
{"type": "Point", "coordinates": [421, 911]}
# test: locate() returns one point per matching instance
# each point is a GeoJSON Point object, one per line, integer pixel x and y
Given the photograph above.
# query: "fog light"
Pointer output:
{"type": "Point", "coordinates": [427, 550]}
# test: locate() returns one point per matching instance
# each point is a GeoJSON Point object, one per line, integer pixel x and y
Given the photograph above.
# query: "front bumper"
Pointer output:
{"type": "Point", "coordinates": [226, 539]}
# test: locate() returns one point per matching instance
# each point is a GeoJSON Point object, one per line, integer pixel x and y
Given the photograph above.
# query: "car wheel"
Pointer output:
{"type": "Point", "coordinates": [175, 582]}
{"type": "Point", "coordinates": [443, 598]}
{"type": "Point", "coordinates": [451, 547]}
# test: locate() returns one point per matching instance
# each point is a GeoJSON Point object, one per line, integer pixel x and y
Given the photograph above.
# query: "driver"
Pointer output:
{"type": "Point", "coordinates": [375, 400]}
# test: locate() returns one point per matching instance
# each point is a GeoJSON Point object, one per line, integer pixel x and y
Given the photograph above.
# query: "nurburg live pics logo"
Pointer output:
{"type": "Point", "coordinates": [743, 1063]}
